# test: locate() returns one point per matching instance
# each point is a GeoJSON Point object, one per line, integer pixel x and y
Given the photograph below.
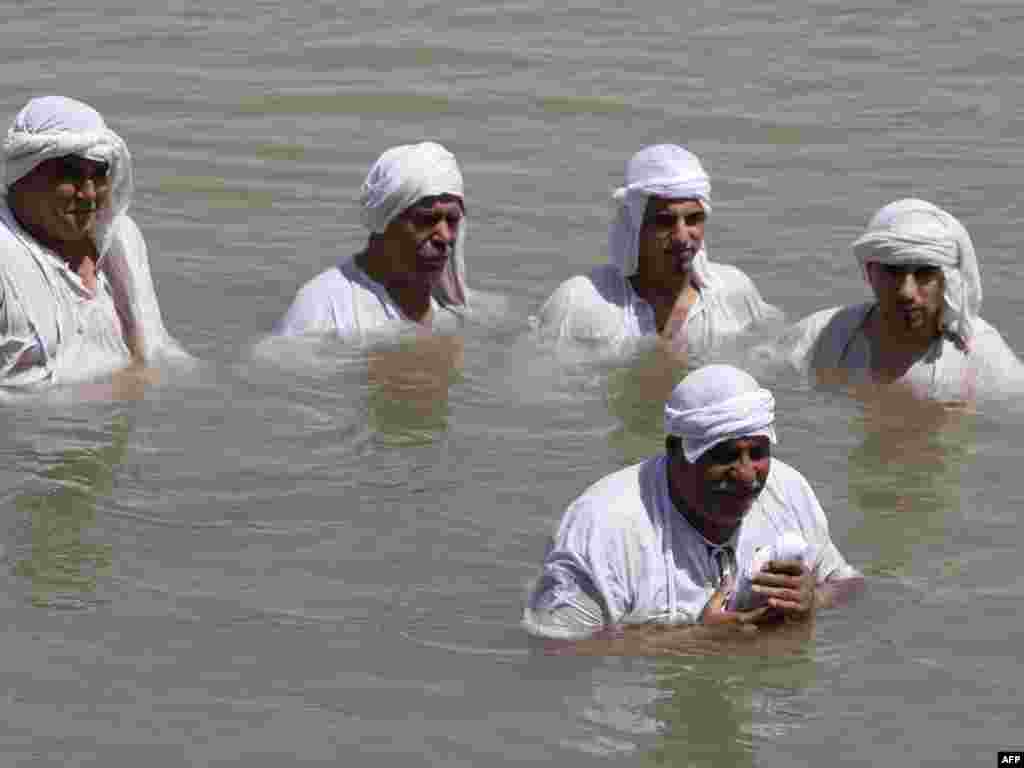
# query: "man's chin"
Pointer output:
{"type": "Point", "coordinates": [72, 228]}
{"type": "Point", "coordinates": [684, 261]}
{"type": "Point", "coordinates": [432, 267]}
{"type": "Point", "coordinates": [733, 508]}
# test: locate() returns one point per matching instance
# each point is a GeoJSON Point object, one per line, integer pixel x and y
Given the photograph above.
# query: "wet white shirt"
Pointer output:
{"type": "Point", "coordinates": [52, 328]}
{"type": "Point", "coordinates": [601, 309]}
{"type": "Point", "coordinates": [833, 341]}
{"type": "Point", "coordinates": [624, 554]}
{"type": "Point", "coordinates": [346, 301]}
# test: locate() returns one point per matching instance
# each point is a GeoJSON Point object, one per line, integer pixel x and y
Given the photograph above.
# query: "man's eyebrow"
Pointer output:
{"type": "Point", "coordinates": [674, 213]}
{"type": "Point", "coordinates": [83, 164]}
{"type": "Point", "coordinates": [427, 206]}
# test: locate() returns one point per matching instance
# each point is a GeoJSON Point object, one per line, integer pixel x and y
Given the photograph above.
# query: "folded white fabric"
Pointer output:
{"type": "Point", "coordinates": [717, 403]}
{"type": "Point", "coordinates": [662, 170]}
{"type": "Point", "coordinates": [790, 546]}
{"type": "Point", "coordinates": [407, 173]}
{"type": "Point", "coordinates": [916, 232]}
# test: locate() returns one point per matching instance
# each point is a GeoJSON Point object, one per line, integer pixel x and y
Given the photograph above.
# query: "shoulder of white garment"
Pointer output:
{"type": "Point", "coordinates": [730, 277]}
{"type": "Point", "coordinates": [999, 370]}
{"type": "Point", "coordinates": [317, 303]}
{"type": "Point", "coordinates": [584, 306]}
{"type": "Point", "coordinates": [735, 287]}
{"type": "Point", "coordinates": [603, 284]}
{"type": "Point", "coordinates": [819, 339]}
{"type": "Point", "coordinates": [790, 483]}
{"type": "Point", "coordinates": [608, 502]}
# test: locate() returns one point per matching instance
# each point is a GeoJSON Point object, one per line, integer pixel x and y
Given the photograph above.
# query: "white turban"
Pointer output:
{"type": "Point", "coordinates": [718, 403]}
{"type": "Point", "coordinates": [56, 126]}
{"type": "Point", "coordinates": [400, 177]}
{"type": "Point", "coordinates": [662, 170]}
{"type": "Point", "coordinates": [917, 232]}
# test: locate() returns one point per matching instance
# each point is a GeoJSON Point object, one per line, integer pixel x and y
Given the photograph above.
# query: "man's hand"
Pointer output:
{"type": "Point", "coordinates": [789, 587]}
{"type": "Point", "coordinates": [715, 613]}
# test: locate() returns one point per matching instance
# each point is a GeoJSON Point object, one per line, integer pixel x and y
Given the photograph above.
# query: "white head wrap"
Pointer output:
{"type": "Point", "coordinates": [56, 126]}
{"type": "Point", "coordinates": [662, 170]}
{"type": "Point", "coordinates": [718, 403]}
{"type": "Point", "coordinates": [400, 177]}
{"type": "Point", "coordinates": [914, 231]}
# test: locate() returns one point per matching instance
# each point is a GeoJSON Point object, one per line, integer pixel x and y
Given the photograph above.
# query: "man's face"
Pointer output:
{"type": "Point", "coordinates": [909, 298]}
{"type": "Point", "coordinates": [62, 196]}
{"type": "Point", "coordinates": [670, 237]}
{"type": "Point", "coordinates": [423, 237]}
{"type": "Point", "coordinates": [723, 484]}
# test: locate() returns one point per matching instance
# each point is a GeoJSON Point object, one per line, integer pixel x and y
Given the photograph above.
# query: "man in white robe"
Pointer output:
{"type": "Point", "coordinates": [659, 543]}
{"type": "Point", "coordinates": [411, 275]}
{"type": "Point", "coordinates": [922, 333]}
{"type": "Point", "coordinates": [76, 296]}
{"type": "Point", "coordinates": [659, 281]}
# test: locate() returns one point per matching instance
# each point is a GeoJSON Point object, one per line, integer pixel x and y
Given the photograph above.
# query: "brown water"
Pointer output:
{"type": "Point", "coordinates": [322, 559]}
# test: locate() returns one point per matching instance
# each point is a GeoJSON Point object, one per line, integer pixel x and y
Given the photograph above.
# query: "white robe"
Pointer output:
{"type": "Point", "coordinates": [54, 330]}
{"type": "Point", "coordinates": [624, 554]}
{"type": "Point", "coordinates": [346, 301]}
{"type": "Point", "coordinates": [833, 340]}
{"type": "Point", "coordinates": [602, 310]}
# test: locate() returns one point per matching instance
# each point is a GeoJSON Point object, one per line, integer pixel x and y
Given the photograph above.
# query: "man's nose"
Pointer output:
{"type": "Point", "coordinates": [745, 470]}
{"type": "Point", "coordinates": [907, 286]}
{"type": "Point", "coordinates": [86, 188]}
{"type": "Point", "coordinates": [445, 230]}
{"type": "Point", "coordinates": [688, 232]}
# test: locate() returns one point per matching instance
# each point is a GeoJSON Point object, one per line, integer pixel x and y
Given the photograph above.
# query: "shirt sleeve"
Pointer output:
{"type": "Point", "coordinates": [20, 349]}
{"type": "Point", "coordinates": [583, 585]}
{"type": "Point", "coordinates": [564, 604]}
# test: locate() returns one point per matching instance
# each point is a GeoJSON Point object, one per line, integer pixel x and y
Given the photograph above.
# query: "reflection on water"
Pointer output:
{"type": "Point", "coordinates": [714, 708]}
{"type": "Point", "coordinates": [409, 385]}
{"type": "Point", "coordinates": [636, 396]}
{"type": "Point", "coordinates": [62, 567]}
{"type": "Point", "coordinates": [905, 476]}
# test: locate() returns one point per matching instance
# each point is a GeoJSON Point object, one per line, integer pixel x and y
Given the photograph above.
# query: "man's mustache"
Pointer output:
{"type": "Point", "coordinates": [434, 248]}
{"type": "Point", "coordinates": [737, 489]}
